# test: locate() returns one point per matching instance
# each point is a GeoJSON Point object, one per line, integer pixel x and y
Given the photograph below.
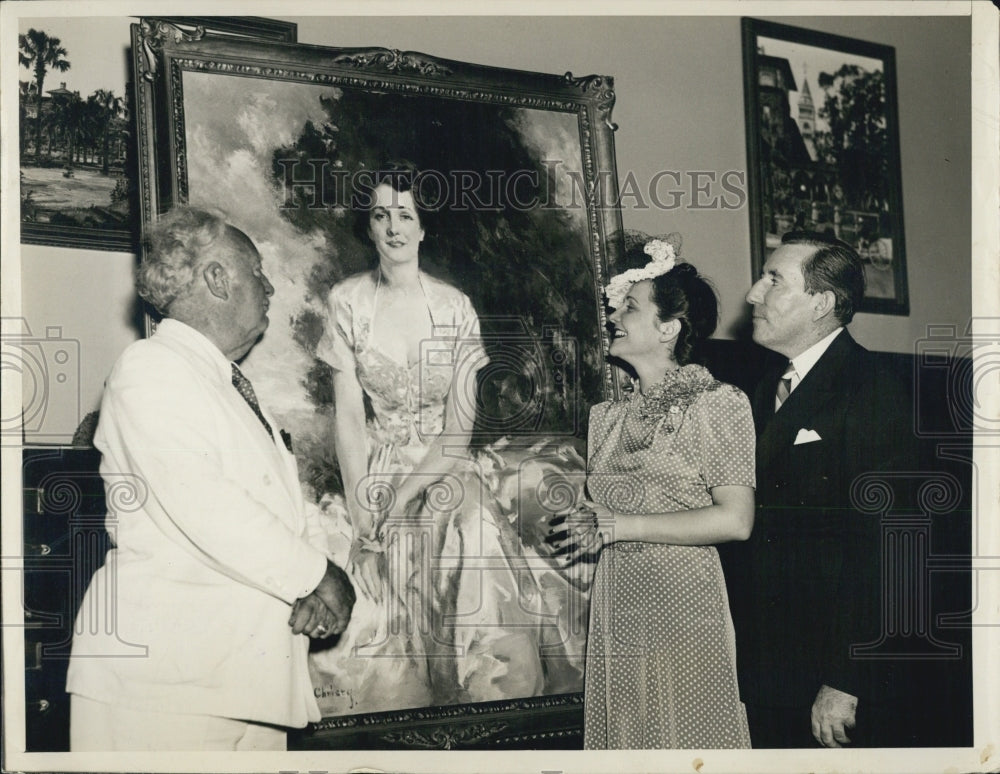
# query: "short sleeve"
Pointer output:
{"type": "Point", "coordinates": [598, 426]}
{"type": "Point", "coordinates": [603, 419]}
{"type": "Point", "coordinates": [726, 438]}
{"type": "Point", "coordinates": [336, 345]}
{"type": "Point", "coordinates": [472, 353]}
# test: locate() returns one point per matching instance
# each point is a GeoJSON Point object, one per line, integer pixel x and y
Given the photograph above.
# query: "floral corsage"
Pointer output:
{"type": "Point", "coordinates": [671, 397]}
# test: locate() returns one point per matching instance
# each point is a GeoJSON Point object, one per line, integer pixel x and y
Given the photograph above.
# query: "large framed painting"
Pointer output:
{"type": "Point", "coordinates": [76, 151]}
{"type": "Point", "coordinates": [823, 149]}
{"type": "Point", "coordinates": [519, 171]}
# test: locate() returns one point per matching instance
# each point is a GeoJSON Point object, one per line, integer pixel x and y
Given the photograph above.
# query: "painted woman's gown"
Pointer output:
{"type": "Point", "coordinates": [474, 610]}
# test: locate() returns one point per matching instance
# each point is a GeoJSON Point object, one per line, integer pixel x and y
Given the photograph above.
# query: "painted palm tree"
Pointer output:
{"type": "Point", "coordinates": [94, 128]}
{"type": "Point", "coordinates": [52, 124]}
{"type": "Point", "coordinates": [39, 52]}
{"type": "Point", "coordinates": [112, 107]}
{"type": "Point", "coordinates": [73, 120]}
{"type": "Point", "coordinates": [26, 92]}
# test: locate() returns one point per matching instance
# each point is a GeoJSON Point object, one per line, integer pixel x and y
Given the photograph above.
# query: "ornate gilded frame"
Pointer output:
{"type": "Point", "coordinates": [165, 57]}
{"type": "Point", "coordinates": [539, 723]}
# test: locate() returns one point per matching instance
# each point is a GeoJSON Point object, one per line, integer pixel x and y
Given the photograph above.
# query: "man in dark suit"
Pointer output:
{"type": "Point", "coordinates": [808, 587]}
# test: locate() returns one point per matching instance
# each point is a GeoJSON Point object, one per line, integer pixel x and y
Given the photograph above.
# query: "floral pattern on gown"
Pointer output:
{"type": "Point", "coordinates": [475, 610]}
{"type": "Point", "coordinates": [661, 661]}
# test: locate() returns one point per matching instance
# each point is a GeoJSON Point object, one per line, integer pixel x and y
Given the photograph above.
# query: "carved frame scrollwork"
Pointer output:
{"type": "Point", "coordinates": [543, 722]}
{"type": "Point", "coordinates": [166, 53]}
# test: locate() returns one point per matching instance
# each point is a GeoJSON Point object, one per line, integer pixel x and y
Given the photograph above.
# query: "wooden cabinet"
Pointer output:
{"type": "Point", "coordinates": [64, 542]}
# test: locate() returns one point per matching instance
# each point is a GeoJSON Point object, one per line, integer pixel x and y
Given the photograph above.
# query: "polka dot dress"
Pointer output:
{"type": "Point", "coordinates": [661, 662]}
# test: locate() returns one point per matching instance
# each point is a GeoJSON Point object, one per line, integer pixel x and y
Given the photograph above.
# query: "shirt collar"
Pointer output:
{"type": "Point", "coordinates": [197, 344]}
{"type": "Point", "coordinates": [804, 363]}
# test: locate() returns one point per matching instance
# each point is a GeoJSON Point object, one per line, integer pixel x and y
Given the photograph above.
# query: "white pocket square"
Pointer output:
{"type": "Point", "coordinates": [806, 436]}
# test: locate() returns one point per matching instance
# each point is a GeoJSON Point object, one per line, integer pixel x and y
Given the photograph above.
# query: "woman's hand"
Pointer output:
{"type": "Point", "coordinates": [582, 531]}
{"type": "Point", "coordinates": [367, 567]}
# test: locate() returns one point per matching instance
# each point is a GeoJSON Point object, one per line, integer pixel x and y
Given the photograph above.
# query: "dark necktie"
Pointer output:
{"type": "Point", "coordinates": [785, 385]}
{"type": "Point", "coordinates": [243, 386]}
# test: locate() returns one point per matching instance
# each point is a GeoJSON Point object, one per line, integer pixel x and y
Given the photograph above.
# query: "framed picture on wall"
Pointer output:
{"type": "Point", "coordinates": [823, 149]}
{"type": "Point", "coordinates": [76, 152]}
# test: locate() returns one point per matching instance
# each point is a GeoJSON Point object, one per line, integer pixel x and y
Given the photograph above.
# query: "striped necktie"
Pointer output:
{"type": "Point", "coordinates": [785, 386]}
{"type": "Point", "coordinates": [244, 388]}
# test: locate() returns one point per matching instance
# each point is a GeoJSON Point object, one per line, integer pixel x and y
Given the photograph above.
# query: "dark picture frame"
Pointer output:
{"type": "Point", "coordinates": [830, 162]}
{"type": "Point", "coordinates": [112, 225]}
{"type": "Point", "coordinates": [534, 271]}
{"type": "Point", "coordinates": [255, 27]}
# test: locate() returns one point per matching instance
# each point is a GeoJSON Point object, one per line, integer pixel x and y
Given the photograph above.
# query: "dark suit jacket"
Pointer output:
{"type": "Point", "coordinates": [807, 584]}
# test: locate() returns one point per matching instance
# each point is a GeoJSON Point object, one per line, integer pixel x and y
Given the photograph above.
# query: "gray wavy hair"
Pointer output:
{"type": "Point", "coordinates": [175, 246]}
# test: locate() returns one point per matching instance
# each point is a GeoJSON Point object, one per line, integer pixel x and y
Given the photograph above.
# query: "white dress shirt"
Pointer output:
{"type": "Point", "coordinates": [804, 362]}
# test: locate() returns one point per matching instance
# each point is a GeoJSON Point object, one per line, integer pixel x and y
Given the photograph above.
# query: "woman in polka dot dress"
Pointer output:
{"type": "Point", "coordinates": [670, 473]}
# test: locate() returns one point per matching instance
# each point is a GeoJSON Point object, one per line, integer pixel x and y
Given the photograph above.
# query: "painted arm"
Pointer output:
{"type": "Point", "coordinates": [350, 444]}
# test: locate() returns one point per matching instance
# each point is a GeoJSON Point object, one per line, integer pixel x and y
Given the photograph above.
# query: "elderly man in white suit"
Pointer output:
{"type": "Point", "coordinates": [194, 633]}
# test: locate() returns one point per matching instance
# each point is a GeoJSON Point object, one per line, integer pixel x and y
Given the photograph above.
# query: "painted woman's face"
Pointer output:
{"type": "Point", "coordinates": [394, 225]}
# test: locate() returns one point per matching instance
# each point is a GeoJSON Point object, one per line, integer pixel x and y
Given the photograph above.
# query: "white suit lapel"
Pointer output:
{"type": "Point", "coordinates": [286, 462]}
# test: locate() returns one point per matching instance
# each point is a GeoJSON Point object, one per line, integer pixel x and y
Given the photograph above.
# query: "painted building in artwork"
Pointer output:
{"type": "Point", "coordinates": [801, 189]}
{"type": "Point", "coordinates": [807, 117]}
{"type": "Point", "coordinates": [72, 128]}
{"type": "Point", "coordinates": [788, 168]}
{"type": "Point", "coordinates": [779, 129]}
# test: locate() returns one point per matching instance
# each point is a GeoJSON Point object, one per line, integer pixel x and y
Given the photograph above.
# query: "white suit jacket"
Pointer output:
{"type": "Point", "coordinates": [190, 612]}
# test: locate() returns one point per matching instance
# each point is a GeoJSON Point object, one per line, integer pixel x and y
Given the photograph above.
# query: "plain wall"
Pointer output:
{"type": "Point", "coordinates": [89, 297]}
{"type": "Point", "coordinates": [679, 86]}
